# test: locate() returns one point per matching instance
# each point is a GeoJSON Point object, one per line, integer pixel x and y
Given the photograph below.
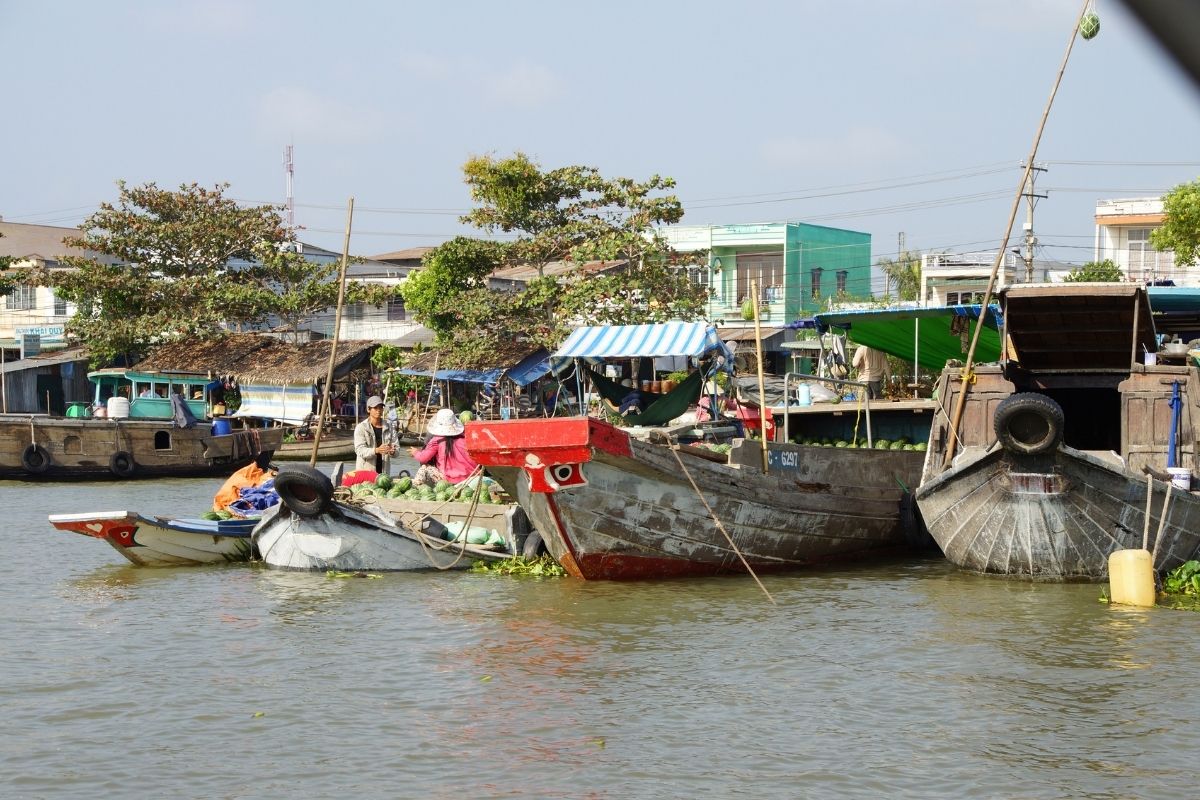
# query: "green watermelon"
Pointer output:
{"type": "Point", "coordinates": [442, 486]}
{"type": "Point", "coordinates": [211, 515]}
{"type": "Point", "coordinates": [404, 483]}
{"type": "Point", "coordinates": [384, 481]}
{"type": "Point", "coordinates": [465, 417]}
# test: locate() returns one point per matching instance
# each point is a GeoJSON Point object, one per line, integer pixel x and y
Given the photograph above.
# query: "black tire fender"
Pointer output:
{"type": "Point", "coordinates": [1028, 423]}
{"type": "Point", "coordinates": [304, 490]}
{"type": "Point", "coordinates": [122, 464]}
{"type": "Point", "coordinates": [35, 459]}
{"type": "Point", "coordinates": [533, 546]}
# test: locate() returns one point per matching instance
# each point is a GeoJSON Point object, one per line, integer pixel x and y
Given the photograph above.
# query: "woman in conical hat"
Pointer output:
{"type": "Point", "coordinates": [444, 456]}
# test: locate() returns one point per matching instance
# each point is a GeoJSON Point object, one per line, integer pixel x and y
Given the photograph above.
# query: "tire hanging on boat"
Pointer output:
{"type": "Point", "coordinates": [122, 464]}
{"type": "Point", "coordinates": [35, 459]}
{"type": "Point", "coordinates": [1029, 423]}
{"type": "Point", "coordinates": [304, 490]}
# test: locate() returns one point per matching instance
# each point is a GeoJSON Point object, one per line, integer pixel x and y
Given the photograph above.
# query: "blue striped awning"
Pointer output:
{"type": "Point", "coordinates": [597, 343]}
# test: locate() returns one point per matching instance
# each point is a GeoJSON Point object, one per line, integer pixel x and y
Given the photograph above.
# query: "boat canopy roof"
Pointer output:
{"type": "Point", "coordinates": [524, 372]}
{"type": "Point", "coordinates": [121, 374]}
{"type": "Point", "coordinates": [929, 336]}
{"type": "Point", "coordinates": [1078, 327]}
{"type": "Point", "coordinates": [597, 343]}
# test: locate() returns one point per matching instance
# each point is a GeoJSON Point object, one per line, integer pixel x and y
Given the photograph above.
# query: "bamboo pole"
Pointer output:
{"type": "Point", "coordinates": [967, 374]}
{"type": "Point", "coordinates": [337, 330]}
{"type": "Point", "coordinates": [762, 386]}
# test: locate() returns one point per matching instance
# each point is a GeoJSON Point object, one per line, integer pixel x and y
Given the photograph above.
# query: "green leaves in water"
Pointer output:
{"type": "Point", "coordinates": [333, 573]}
{"type": "Point", "coordinates": [542, 567]}
{"type": "Point", "coordinates": [1181, 587]}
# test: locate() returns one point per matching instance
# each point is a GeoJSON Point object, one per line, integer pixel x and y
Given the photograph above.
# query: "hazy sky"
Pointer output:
{"type": "Point", "coordinates": [875, 115]}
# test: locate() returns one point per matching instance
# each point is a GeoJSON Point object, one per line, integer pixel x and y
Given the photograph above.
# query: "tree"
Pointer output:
{"type": "Point", "coordinates": [8, 281]}
{"type": "Point", "coordinates": [571, 214]}
{"type": "Point", "coordinates": [1096, 272]}
{"type": "Point", "coordinates": [1180, 230]}
{"type": "Point", "coordinates": [184, 263]}
{"type": "Point", "coordinates": [903, 272]}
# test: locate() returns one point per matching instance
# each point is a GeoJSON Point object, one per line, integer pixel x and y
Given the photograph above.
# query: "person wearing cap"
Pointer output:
{"type": "Point", "coordinates": [373, 444]}
{"type": "Point", "coordinates": [444, 456]}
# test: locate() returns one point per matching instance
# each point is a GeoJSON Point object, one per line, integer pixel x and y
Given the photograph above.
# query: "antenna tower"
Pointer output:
{"type": "Point", "coordinates": [289, 171]}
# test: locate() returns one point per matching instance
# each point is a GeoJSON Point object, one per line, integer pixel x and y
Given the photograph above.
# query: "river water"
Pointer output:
{"type": "Point", "coordinates": [907, 679]}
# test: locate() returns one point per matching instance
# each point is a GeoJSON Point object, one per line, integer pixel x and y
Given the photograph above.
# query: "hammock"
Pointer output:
{"type": "Point", "coordinates": [660, 408]}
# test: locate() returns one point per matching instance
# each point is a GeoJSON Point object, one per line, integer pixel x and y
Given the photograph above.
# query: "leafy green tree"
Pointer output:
{"type": "Point", "coordinates": [1096, 272]}
{"type": "Point", "coordinates": [184, 263]}
{"type": "Point", "coordinates": [571, 214]}
{"type": "Point", "coordinates": [1180, 230]}
{"type": "Point", "coordinates": [448, 271]}
{"type": "Point", "coordinates": [904, 273]}
{"type": "Point", "coordinates": [8, 281]}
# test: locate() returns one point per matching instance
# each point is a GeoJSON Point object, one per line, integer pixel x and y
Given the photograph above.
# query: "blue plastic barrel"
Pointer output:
{"type": "Point", "coordinates": [221, 427]}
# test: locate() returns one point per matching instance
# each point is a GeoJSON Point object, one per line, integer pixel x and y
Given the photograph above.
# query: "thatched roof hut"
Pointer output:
{"type": "Point", "coordinates": [254, 358]}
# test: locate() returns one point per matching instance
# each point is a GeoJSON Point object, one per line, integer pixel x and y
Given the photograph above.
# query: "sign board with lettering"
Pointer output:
{"type": "Point", "coordinates": [31, 344]}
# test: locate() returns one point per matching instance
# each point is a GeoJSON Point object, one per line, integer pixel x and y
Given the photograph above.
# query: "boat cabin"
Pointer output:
{"type": "Point", "coordinates": [148, 393]}
{"type": "Point", "coordinates": [1093, 350]}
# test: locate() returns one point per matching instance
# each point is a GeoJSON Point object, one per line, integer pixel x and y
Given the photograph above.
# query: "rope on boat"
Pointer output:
{"type": "Point", "coordinates": [673, 446]}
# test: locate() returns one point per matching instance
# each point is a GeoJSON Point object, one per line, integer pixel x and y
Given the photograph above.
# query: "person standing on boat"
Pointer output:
{"type": "Point", "coordinates": [373, 442]}
{"type": "Point", "coordinates": [872, 366]}
{"type": "Point", "coordinates": [444, 456]}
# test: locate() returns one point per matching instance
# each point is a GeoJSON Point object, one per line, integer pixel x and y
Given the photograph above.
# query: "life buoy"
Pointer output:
{"type": "Point", "coordinates": [1029, 423]}
{"type": "Point", "coordinates": [35, 459]}
{"type": "Point", "coordinates": [122, 464]}
{"type": "Point", "coordinates": [304, 490]}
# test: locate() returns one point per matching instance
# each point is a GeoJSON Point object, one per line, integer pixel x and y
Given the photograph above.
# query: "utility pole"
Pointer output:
{"type": "Point", "coordinates": [1030, 240]}
{"type": "Point", "coordinates": [899, 260]}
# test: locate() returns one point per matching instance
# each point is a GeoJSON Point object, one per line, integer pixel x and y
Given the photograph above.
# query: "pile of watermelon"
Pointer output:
{"type": "Point", "coordinates": [404, 489]}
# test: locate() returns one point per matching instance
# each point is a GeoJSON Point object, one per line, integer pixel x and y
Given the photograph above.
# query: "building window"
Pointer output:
{"type": "Point", "coordinates": [816, 283]}
{"type": "Point", "coordinates": [354, 311]}
{"type": "Point", "coordinates": [395, 310]}
{"type": "Point", "coordinates": [842, 275]}
{"type": "Point", "coordinates": [766, 269]}
{"type": "Point", "coordinates": [1144, 259]}
{"type": "Point", "coordinates": [20, 298]}
{"type": "Point", "coordinates": [60, 306]}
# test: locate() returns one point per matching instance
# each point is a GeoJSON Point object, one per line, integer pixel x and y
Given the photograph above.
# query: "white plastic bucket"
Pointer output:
{"type": "Point", "coordinates": [118, 407]}
{"type": "Point", "coordinates": [1150, 358]}
{"type": "Point", "coordinates": [804, 394]}
{"type": "Point", "coordinates": [1181, 477]}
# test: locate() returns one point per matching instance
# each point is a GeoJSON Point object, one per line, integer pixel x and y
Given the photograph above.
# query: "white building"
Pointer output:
{"type": "Point", "coordinates": [1123, 235]}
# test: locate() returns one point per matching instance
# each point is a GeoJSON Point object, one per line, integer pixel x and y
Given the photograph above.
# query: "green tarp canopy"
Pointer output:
{"type": "Point", "coordinates": [918, 334]}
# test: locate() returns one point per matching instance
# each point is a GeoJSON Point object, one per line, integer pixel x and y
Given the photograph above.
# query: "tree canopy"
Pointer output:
{"type": "Point", "coordinates": [571, 214]}
{"type": "Point", "coordinates": [1096, 272]}
{"type": "Point", "coordinates": [185, 263]}
{"type": "Point", "coordinates": [1180, 230]}
{"type": "Point", "coordinates": [903, 272]}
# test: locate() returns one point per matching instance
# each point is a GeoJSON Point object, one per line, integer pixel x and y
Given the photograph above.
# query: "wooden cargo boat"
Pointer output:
{"type": "Point", "coordinates": [309, 530]}
{"type": "Point", "coordinates": [147, 437]}
{"type": "Point", "coordinates": [612, 505]}
{"type": "Point", "coordinates": [1047, 474]}
{"type": "Point", "coordinates": [151, 541]}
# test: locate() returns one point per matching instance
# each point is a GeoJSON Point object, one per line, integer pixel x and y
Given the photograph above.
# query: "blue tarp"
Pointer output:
{"type": "Point", "coordinates": [597, 343]}
{"type": "Point", "coordinates": [523, 373]}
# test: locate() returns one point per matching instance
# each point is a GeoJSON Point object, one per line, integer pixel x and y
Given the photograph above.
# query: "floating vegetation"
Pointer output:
{"type": "Point", "coordinates": [333, 573]}
{"type": "Point", "coordinates": [1181, 587]}
{"type": "Point", "coordinates": [542, 567]}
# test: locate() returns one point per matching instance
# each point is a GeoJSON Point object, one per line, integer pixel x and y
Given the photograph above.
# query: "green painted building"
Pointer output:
{"type": "Point", "coordinates": [797, 267]}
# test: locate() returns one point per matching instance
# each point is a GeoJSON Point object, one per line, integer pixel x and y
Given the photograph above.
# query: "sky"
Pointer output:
{"type": "Point", "coordinates": [893, 117]}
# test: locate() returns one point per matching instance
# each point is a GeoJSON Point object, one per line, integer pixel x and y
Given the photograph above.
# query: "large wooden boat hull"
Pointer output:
{"type": "Point", "coordinates": [347, 539]}
{"type": "Point", "coordinates": [161, 541]}
{"type": "Point", "coordinates": [610, 506]}
{"type": "Point", "coordinates": [1058, 516]}
{"type": "Point", "coordinates": [337, 447]}
{"type": "Point", "coordinates": [90, 448]}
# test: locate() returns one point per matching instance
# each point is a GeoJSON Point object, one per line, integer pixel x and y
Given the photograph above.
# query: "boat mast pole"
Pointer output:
{"type": "Point", "coordinates": [337, 329]}
{"type": "Point", "coordinates": [968, 375]}
{"type": "Point", "coordinates": [762, 388]}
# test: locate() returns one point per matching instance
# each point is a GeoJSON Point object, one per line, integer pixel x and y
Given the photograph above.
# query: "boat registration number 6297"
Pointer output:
{"type": "Point", "coordinates": [783, 459]}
